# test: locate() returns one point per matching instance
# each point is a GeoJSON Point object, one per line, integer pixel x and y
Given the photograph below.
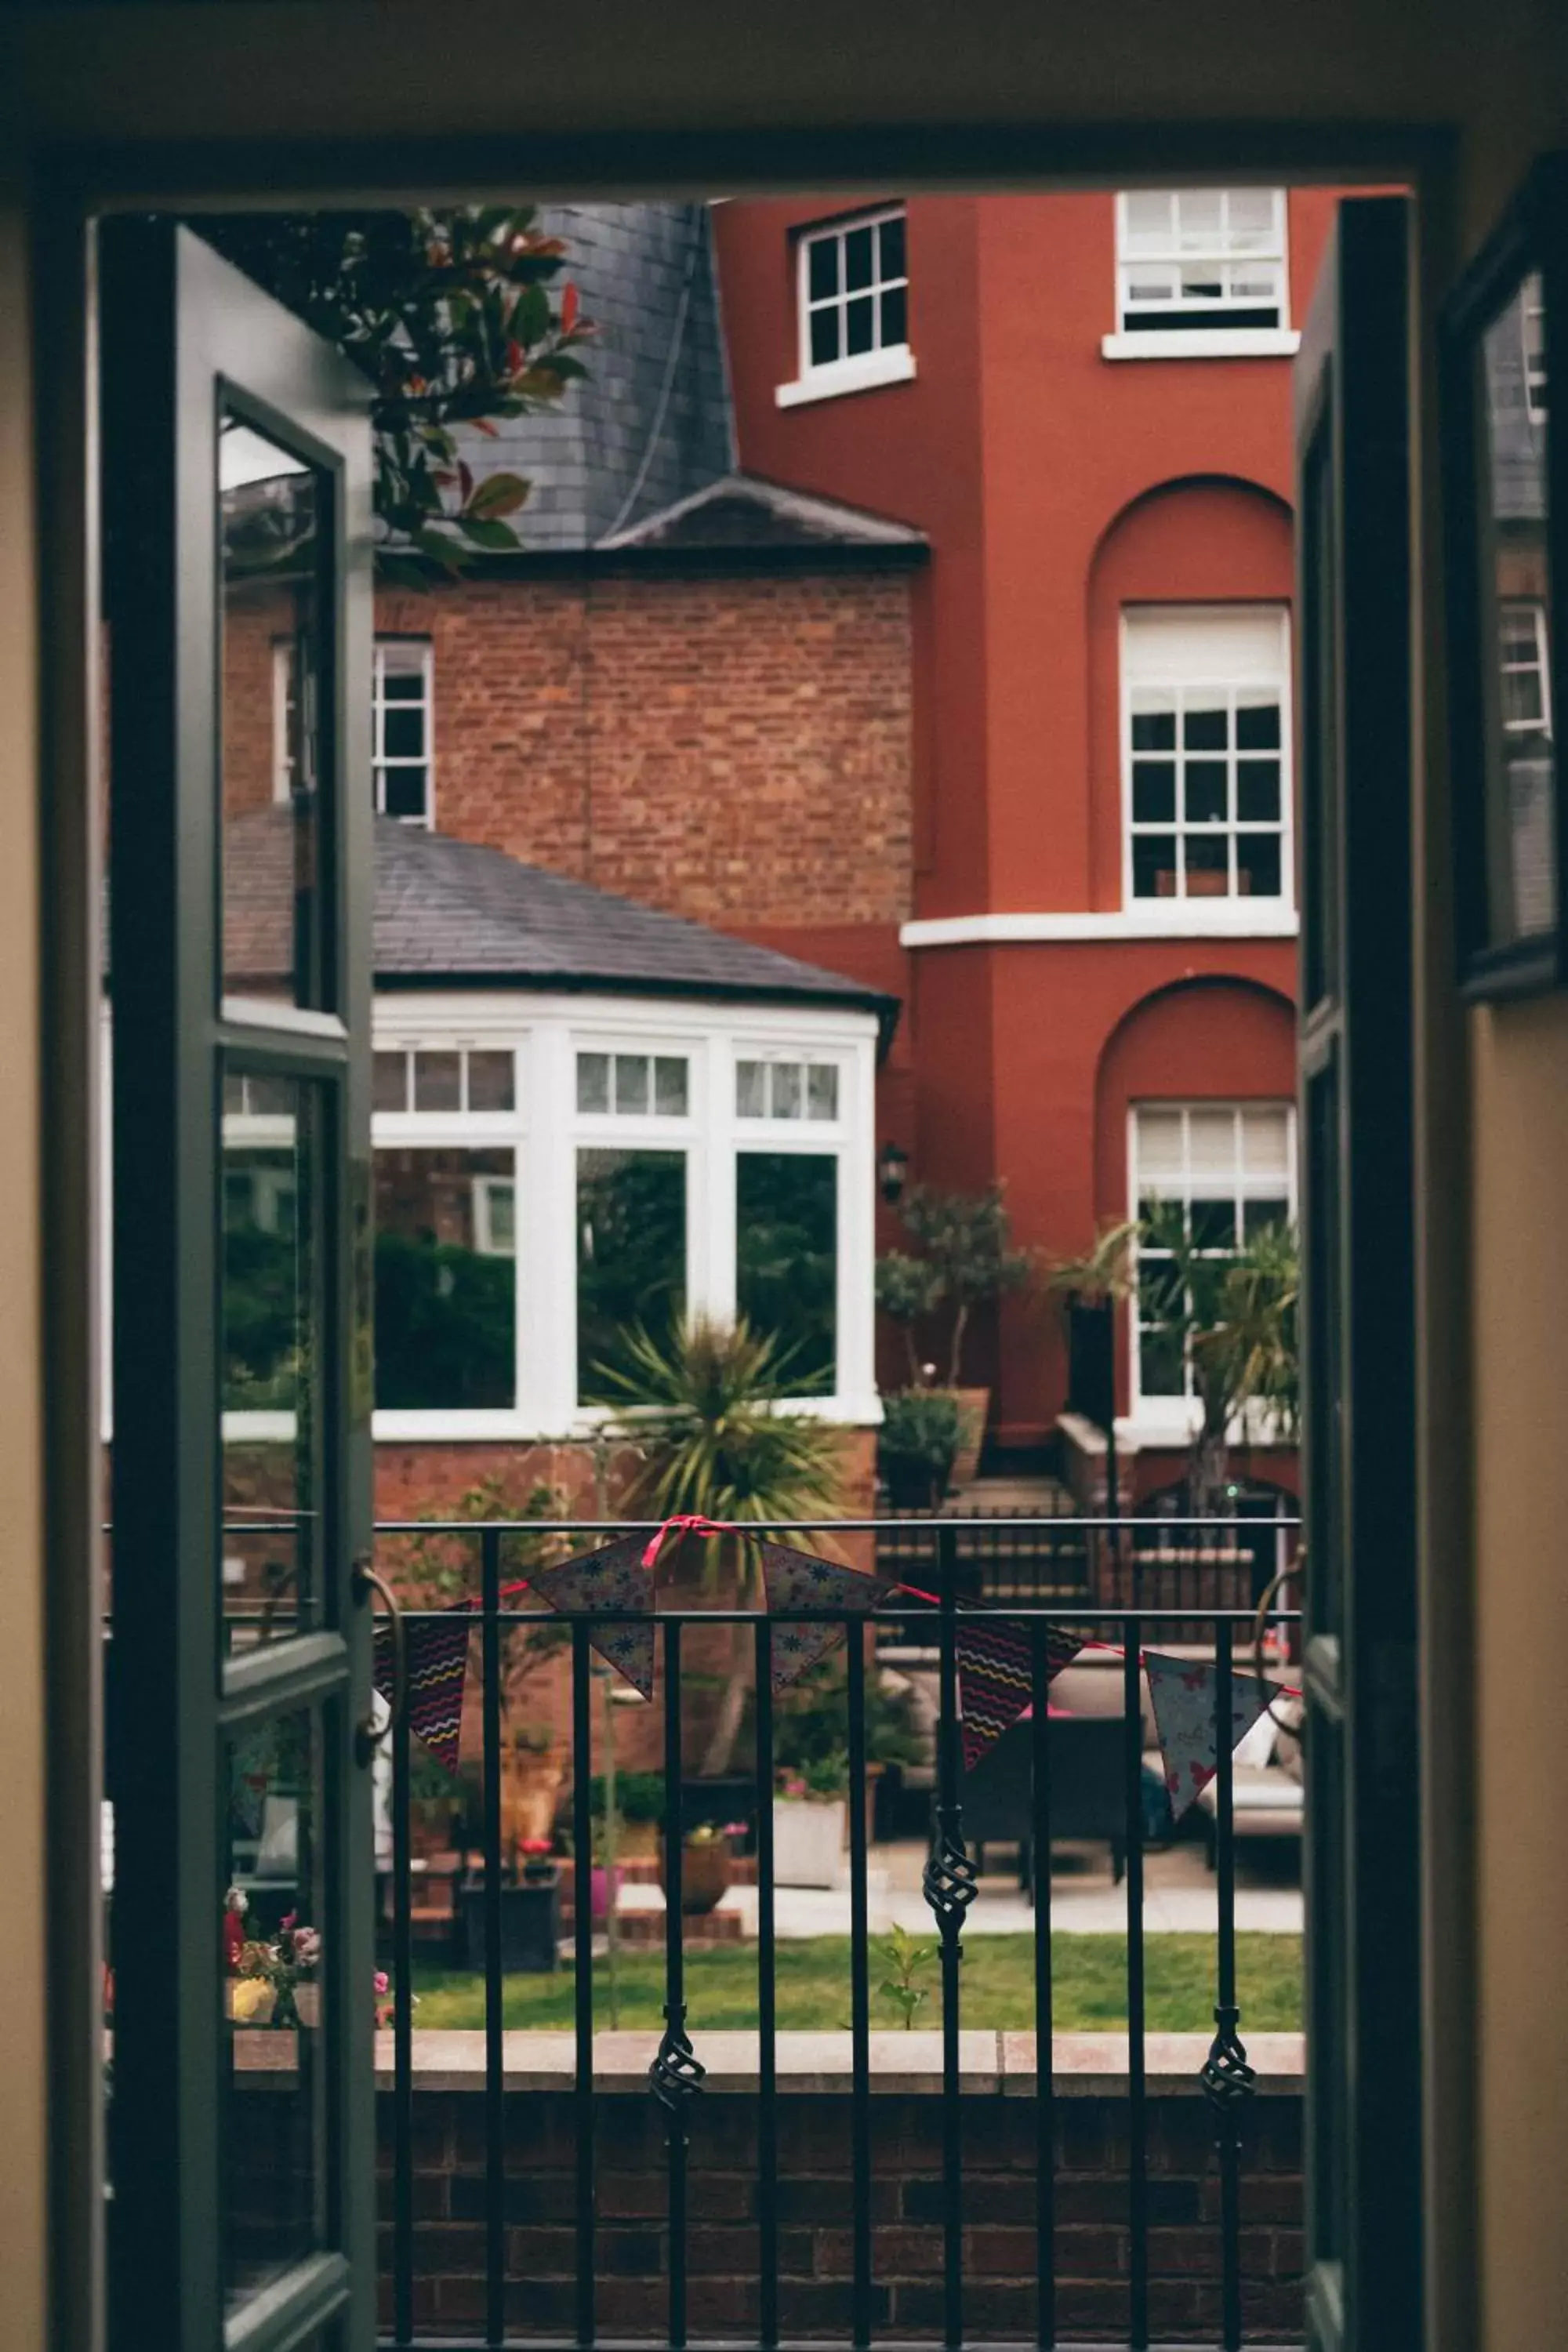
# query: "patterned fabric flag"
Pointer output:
{"type": "Point", "coordinates": [437, 1660]}
{"type": "Point", "coordinates": [1185, 1693]}
{"type": "Point", "coordinates": [796, 1582]}
{"type": "Point", "coordinates": [612, 1578]}
{"type": "Point", "coordinates": [997, 1677]}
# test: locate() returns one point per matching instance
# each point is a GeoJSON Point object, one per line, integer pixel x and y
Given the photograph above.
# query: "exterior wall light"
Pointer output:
{"type": "Point", "coordinates": [892, 1169]}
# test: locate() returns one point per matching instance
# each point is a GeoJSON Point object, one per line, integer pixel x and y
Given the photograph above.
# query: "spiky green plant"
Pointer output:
{"type": "Point", "coordinates": [708, 1402]}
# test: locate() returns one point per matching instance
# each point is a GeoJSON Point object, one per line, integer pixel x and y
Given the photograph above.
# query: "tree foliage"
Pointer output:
{"type": "Point", "coordinates": [458, 317]}
{"type": "Point", "coordinates": [964, 1242]}
{"type": "Point", "coordinates": [1234, 1315]}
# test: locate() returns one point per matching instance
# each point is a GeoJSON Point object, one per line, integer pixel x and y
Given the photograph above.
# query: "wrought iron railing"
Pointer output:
{"type": "Point", "coordinates": [675, 2078]}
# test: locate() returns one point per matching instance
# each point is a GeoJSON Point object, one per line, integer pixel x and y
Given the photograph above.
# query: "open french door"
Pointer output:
{"type": "Point", "coordinates": [237, 514]}
{"type": "Point", "coordinates": [1358, 1209]}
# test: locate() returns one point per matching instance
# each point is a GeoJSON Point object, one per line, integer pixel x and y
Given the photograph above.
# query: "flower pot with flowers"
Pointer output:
{"type": "Point", "coordinates": [705, 1866]}
{"type": "Point", "coordinates": [811, 1819]}
{"type": "Point", "coordinates": [272, 1980]}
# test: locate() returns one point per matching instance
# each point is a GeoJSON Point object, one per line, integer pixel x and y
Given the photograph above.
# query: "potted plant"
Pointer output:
{"type": "Point", "coordinates": [705, 1864]}
{"type": "Point", "coordinates": [811, 1822]}
{"type": "Point", "coordinates": [963, 1243]}
{"type": "Point", "coordinates": [639, 1809]}
{"type": "Point", "coordinates": [916, 1445]}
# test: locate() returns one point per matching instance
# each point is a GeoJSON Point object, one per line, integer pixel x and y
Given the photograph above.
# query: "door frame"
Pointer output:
{"type": "Point", "coordinates": [69, 188]}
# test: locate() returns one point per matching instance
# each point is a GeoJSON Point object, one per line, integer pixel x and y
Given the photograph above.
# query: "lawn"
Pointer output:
{"type": "Point", "coordinates": [1090, 1974]}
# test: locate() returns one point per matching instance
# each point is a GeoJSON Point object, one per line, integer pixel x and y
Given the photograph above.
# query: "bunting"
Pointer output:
{"type": "Point", "coordinates": [996, 1676]}
{"type": "Point", "coordinates": [1185, 1695]}
{"type": "Point", "coordinates": [796, 1582]}
{"type": "Point", "coordinates": [614, 1577]}
{"type": "Point", "coordinates": [437, 1659]}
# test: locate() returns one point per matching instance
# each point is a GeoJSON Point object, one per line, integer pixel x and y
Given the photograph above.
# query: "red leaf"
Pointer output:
{"type": "Point", "coordinates": [568, 310]}
{"type": "Point", "coordinates": [464, 480]}
{"type": "Point", "coordinates": [515, 358]}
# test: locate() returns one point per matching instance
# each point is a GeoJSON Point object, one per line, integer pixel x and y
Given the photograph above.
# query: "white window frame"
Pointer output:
{"type": "Point", "coordinates": [546, 1130]}
{"type": "Point", "coordinates": [1184, 676]}
{"type": "Point", "coordinates": [1141, 333]}
{"type": "Point", "coordinates": [425, 669]}
{"type": "Point", "coordinates": [1173, 1415]}
{"type": "Point", "coordinates": [1532, 347]}
{"type": "Point", "coordinates": [1541, 666]}
{"type": "Point", "coordinates": [863, 372]}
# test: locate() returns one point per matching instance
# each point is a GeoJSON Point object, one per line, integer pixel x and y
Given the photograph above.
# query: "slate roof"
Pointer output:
{"type": "Point", "coordinates": [744, 511]}
{"type": "Point", "coordinates": [450, 913]}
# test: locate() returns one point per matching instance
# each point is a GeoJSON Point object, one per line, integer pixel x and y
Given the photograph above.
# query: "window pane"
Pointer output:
{"type": "Point", "coordinates": [857, 267]}
{"type": "Point", "coordinates": [822, 266]}
{"type": "Point", "coordinates": [271, 1342]}
{"type": "Point", "coordinates": [407, 688]}
{"type": "Point", "coordinates": [593, 1082]}
{"type": "Point", "coordinates": [670, 1090]}
{"type": "Point", "coordinates": [1257, 723]}
{"type": "Point", "coordinates": [1204, 791]}
{"type": "Point", "coordinates": [274, 589]}
{"type": "Point", "coordinates": [1155, 866]}
{"type": "Point", "coordinates": [860, 325]}
{"type": "Point", "coordinates": [1160, 1142]}
{"type": "Point", "coordinates": [437, 1082]}
{"type": "Point", "coordinates": [1257, 865]}
{"type": "Point", "coordinates": [895, 318]}
{"type": "Point", "coordinates": [1154, 723]}
{"type": "Point", "coordinates": [1211, 1142]}
{"type": "Point", "coordinates": [821, 1090]}
{"type": "Point", "coordinates": [446, 1304]}
{"type": "Point", "coordinates": [631, 1260]}
{"type": "Point", "coordinates": [403, 734]}
{"type": "Point", "coordinates": [631, 1086]}
{"type": "Point", "coordinates": [492, 1081]}
{"type": "Point", "coordinates": [825, 337]}
{"type": "Point", "coordinates": [1257, 788]}
{"type": "Point", "coordinates": [892, 236]}
{"type": "Point", "coordinates": [390, 1086]}
{"type": "Point", "coordinates": [404, 792]}
{"type": "Point", "coordinates": [1213, 1225]}
{"type": "Point", "coordinates": [1207, 859]}
{"type": "Point", "coordinates": [786, 1090]}
{"type": "Point", "coordinates": [1266, 1141]}
{"type": "Point", "coordinates": [1160, 1369]}
{"type": "Point", "coordinates": [272, 1870]}
{"type": "Point", "coordinates": [1153, 792]}
{"type": "Point", "coordinates": [1206, 728]}
{"type": "Point", "coordinates": [751, 1090]}
{"type": "Point", "coordinates": [787, 1258]}
{"type": "Point", "coordinates": [1257, 1216]}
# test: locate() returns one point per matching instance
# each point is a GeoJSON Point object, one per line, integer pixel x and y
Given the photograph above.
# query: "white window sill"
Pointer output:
{"type": "Point", "coordinates": [863, 374]}
{"type": "Point", "coordinates": [1158, 1422]}
{"type": "Point", "coordinates": [1210, 918]}
{"type": "Point", "coordinates": [1202, 343]}
{"type": "Point", "coordinates": [412, 1428]}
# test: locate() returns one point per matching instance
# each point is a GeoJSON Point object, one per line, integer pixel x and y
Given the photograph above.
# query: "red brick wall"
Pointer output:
{"type": "Point", "coordinates": [815, 2251]}
{"type": "Point", "coordinates": [734, 748]}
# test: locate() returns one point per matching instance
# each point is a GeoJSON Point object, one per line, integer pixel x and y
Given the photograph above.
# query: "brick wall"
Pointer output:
{"type": "Point", "coordinates": [699, 744]}
{"type": "Point", "coordinates": [631, 2255]}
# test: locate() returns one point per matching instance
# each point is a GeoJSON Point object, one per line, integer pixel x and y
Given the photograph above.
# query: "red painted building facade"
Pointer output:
{"type": "Point", "coordinates": [1090, 420]}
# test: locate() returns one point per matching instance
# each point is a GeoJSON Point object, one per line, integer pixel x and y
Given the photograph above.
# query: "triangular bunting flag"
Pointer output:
{"type": "Point", "coordinates": [997, 1677]}
{"type": "Point", "coordinates": [438, 1651]}
{"type": "Point", "coordinates": [612, 1578]}
{"type": "Point", "coordinates": [1185, 1695]}
{"type": "Point", "coordinates": [795, 1583]}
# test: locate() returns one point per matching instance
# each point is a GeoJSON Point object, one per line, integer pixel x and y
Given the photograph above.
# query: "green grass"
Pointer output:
{"type": "Point", "coordinates": [1090, 1974]}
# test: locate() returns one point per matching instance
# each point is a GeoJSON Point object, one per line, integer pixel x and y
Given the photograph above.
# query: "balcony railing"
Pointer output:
{"type": "Point", "coordinates": [546, 2123]}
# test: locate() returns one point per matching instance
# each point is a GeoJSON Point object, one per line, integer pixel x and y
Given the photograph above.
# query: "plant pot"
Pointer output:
{"type": "Point", "coordinates": [914, 1483]}
{"type": "Point", "coordinates": [636, 1840]}
{"type": "Point", "coordinates": [808, 1840]}
{"type": "Point", "coordinates": [530, 1928]}
{"type": "Point", "coordinates": [975, 1405]}
{"type": "Point", "coordinates": [704, 1878]}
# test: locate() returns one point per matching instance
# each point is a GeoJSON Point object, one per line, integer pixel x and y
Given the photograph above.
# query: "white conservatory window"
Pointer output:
{"type": "Point", "coordinates": [1207, 757]}
{"type": "Point", "coordinates": [1226, 1171]}
{"type": "Point", "coordinates": [544, 1189]}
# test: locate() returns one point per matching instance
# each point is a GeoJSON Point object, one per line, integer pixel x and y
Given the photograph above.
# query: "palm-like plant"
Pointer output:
{"type": "Point", "coordinates": [707, 1405]}
{"type": "Point", "coordinates": [1234, 1314]}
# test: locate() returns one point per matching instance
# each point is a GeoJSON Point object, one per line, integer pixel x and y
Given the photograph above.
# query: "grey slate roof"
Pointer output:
{"type": "Point", "coordinates": [744, 511]}
{"type": "Point", "coordinates": [451, 913]}
{"type": "Point", "coordinates": [653, 420]}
